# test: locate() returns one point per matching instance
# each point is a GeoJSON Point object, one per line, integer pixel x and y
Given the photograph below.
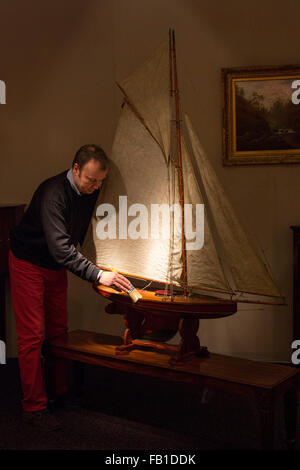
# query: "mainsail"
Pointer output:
{"type": "Point", "coordinates": [144, 173]}
{"type": "Point", "coordinates": [140, 171]}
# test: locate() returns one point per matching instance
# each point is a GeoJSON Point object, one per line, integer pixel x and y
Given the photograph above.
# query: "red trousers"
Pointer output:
{"type": "Point", "coordinates": [39, 298]}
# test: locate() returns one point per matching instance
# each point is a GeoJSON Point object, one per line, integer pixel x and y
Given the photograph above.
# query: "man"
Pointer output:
{"type": "Point", "coordinates": [43, 247]}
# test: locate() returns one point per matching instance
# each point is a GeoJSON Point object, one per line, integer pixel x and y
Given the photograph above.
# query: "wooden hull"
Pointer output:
{"type": "Point", "coordinates": [191, 307]}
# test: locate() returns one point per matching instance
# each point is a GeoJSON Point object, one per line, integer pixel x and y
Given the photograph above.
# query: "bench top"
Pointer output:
{"type": "Point", "coordinates": [225, 368]}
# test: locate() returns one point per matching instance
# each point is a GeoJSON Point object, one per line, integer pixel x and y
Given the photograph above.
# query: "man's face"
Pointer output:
{"type": "Point", "coordinates": [89, 178]}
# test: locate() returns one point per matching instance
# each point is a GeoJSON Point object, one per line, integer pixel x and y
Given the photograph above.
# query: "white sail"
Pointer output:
{"type": "Point", "coordinates": [149, 90]}
{"type": "Point", "coordinates": [140, 171]}
{"type": "Point", "coordinates": [143, 180]}
{"type": "Point", "coordinates": [247, 269]}
{"type": "Point", "coordinates": [203, 265]}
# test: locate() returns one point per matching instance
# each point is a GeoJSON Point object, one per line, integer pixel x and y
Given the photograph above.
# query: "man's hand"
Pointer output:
{"type": "Point", "coordinates": [111, 279]}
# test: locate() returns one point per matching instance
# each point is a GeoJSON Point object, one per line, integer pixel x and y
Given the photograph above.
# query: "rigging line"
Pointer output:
{"type": "Point", "coordinates": [171, 178]}
{"type": "Point", "coordinates": [170, 63]}
{"type": "Point", "coordinates": [147, 285]}
{"type": "Point", "coordinates": [238, 291]}
{"type": "Point", "coordinates": [140, 117]}
{"type": "Point", "coordinates": [179, 155]}
{"type": "Point", "coordinates": [239, 297]}
{"type": "Point", "coordinates": [172, 241]}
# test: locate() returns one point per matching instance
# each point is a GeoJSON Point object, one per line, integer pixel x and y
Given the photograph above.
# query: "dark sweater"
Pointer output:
{"type": "Point", "coordinates": [54, 223]}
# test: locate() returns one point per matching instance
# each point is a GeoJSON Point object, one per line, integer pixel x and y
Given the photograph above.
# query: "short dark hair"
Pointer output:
{"type": "Point", "coordinates": [91, 152]}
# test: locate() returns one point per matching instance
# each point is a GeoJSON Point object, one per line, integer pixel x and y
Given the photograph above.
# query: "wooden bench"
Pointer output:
{"type": "Point", "coordinates": [264, 383]}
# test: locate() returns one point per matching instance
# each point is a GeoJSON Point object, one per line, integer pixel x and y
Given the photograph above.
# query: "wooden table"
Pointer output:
{"type": "Point", "coordinates": [262, 382]}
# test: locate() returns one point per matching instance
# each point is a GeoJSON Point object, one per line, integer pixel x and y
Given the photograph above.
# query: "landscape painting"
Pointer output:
{"type": "Point", "coordinates": [261, 116]}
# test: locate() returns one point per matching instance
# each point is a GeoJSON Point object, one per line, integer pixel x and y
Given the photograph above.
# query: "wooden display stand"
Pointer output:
{"type": "Point", "coordinates": [264, 383]}
{"type": "Point", "coordinates": [155, 311]}
{"type": "Point", "coordinates": [140, 323]}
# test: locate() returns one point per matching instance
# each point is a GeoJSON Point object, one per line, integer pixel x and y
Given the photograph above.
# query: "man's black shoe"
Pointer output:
{"type": "Point", "coordinates": [42, 420]}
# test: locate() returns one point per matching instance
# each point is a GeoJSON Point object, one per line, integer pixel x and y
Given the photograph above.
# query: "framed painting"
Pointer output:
{"type": "Point", "coordinates": [261, 115]}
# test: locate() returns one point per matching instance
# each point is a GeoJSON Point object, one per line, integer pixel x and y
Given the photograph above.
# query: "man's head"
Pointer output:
{"type": "Point", "coordinates": [90, 168]}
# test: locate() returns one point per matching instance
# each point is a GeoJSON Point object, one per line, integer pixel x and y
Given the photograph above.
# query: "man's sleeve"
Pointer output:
{"type": "Point", "coordinates": [60, 245]}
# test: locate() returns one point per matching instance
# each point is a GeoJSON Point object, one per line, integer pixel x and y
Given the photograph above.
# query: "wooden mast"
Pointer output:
{"type": "Point", "coordinates": [179, 160]}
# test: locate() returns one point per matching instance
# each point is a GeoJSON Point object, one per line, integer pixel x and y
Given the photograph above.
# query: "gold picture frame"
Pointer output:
{"type": "Point", "coordinates": [261, 115]}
